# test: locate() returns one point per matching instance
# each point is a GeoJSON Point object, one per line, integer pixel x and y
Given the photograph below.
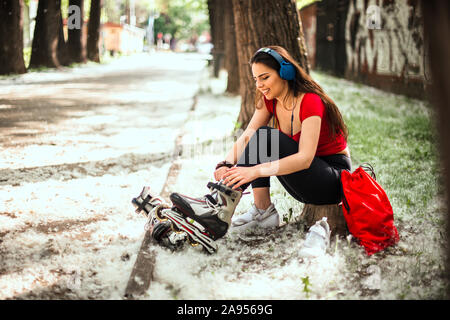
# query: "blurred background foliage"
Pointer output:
{"type": "Point", "coordinates": [179, 18]}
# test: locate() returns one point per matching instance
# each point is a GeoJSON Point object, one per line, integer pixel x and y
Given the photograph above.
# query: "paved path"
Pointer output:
{"type": "Point", "coordinates": [136, 104]}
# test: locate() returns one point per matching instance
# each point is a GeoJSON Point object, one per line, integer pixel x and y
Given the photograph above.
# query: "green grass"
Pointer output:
{"type": "Point", "coordinates": [396, 134]}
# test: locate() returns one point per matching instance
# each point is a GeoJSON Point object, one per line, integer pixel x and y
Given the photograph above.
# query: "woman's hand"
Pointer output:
{"type": "Point", "coordinates": [238, 176]}
{"type": "Point", "coordinates": [218, 174]}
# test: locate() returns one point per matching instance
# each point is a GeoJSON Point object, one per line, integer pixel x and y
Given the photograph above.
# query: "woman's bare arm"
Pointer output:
{"type": "Point", "coordinates": [300, 160]}
{"type": "Point", "coordinates": [260, 118]}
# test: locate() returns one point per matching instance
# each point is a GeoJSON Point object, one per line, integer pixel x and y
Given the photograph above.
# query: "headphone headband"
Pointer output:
{"type": "Point", "coordinates": [287, 70]}
{"type": "Point", "coordinates": [273, 53]}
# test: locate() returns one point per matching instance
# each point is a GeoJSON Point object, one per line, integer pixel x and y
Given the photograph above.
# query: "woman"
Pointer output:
{"type": "Point", "coordinates": [311, 138]}
{"type": "Point", "coordinates": [306, 152]}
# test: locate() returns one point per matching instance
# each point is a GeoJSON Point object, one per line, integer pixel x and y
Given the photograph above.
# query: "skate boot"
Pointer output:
{"type": "Point", "coordinates": [212, 212]}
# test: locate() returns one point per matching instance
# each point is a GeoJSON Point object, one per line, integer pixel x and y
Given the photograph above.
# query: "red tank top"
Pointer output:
{"type": "Point", "coordinates": [312, 105]}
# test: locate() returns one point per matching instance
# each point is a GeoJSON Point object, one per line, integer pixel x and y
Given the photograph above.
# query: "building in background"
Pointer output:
{"type": "Point", "coordinates": [124, 38]}
{"type": "Point", "coordinates": [379, 43]}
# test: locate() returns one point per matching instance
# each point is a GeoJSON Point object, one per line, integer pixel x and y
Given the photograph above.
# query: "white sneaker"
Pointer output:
{"type": "Point", "coordinates": [317, 240]}
{"type": "Point", "coordinates": [256, 218]}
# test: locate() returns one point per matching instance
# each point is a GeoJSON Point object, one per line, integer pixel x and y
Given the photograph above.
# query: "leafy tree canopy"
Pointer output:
{"type": "Point", "coordinates": [304, 3]}
{"type": "Point", "coordinates": [182, 18]}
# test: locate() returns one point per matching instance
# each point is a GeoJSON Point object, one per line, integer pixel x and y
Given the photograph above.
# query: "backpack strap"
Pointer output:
{"type": "Point", "coordinates": [369, 169]}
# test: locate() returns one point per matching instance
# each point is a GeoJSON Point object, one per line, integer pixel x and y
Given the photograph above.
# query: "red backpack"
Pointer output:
{"type": "Point", "coordinates": [367, 210]}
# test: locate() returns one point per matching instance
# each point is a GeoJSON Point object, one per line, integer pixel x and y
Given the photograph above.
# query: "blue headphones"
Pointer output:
{"type": "Point", "coordinates": [287, 69]}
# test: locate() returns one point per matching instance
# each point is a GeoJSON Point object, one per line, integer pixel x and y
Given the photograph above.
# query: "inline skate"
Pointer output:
{"type": "Point", "coordinates": [200, 221]}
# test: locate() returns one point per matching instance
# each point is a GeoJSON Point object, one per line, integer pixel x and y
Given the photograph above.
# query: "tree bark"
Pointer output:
{"type": "Point", "coordinates": [436, 29]}
{"type": "Point", "coordinates": [261, 23]}
{"type": "Point", "coordinates": [44, 51]}
{"type": "Point", "coordinates": [93, 37]}
{"type": "Point", "coordinates": [335, 217]}
{"type": "Point", "coordinates": [75, 42]}
{"type": "Point", "coordinates": [11, 37]}
{"type": "Point", "coordinates": [63, 50]}
{"type": "Point", "coordinates": [231, 60]}
{"type": "Point", "coordinates": [217, 22]}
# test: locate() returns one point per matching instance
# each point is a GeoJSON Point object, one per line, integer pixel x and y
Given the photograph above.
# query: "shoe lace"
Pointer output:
{"type": "Point", "coordinates": [260, 214]}
{"type": "Point", "coordinates": [211, 202]}
{"type": "Point", "coordinates": [256, 212]}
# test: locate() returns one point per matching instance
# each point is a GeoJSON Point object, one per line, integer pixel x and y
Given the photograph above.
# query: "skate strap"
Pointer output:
{"type": "Point", "coordinates": [228, 191]}
{"type": "Point", "coordinates": [144, 203]}
{"type": "Point", "coordinates": [219, 187]}
{"type": "Point", "coordinates": [211, 199]}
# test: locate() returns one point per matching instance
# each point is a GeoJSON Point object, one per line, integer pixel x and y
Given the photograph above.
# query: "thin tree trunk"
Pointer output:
{"type": "Point", "coordinates": [231, 59]}
{"type": "Point", "coordinates": [437, 32]}
{"type": "Point", "coordinates": [217, 22]}
{"type": "Point", "coordinates": [75, 43]}
{"type": "Point", "coordinates": [63, 50]}
{"type": "Point", "coordinates": [44, 50]}
{"type": "Point", "coordinates": [11, 37]}
{"type": "Point", "coordinates": [261, 23]}
{"type": "Point", "coordinates": [93, 37]}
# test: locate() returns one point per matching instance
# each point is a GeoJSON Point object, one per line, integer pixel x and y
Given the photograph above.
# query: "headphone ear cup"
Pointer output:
{"type": "Point", "coordinates": [287, 71]}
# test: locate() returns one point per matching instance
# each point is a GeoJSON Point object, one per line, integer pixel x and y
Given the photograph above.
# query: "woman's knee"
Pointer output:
{"type": "Point", "coordinates": [261, 131]}
{"type": "Point", "coordinates": [262, 147]}
{"type": "Point", "coordinates": [265, 128]}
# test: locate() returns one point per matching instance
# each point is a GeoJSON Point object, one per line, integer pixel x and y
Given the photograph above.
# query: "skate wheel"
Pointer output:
{"type": "Point", "coordinates": [158, 210]}
{"type": "Point", "coordinates": [193, 242]}
{"type": "Point", "coordinates": [159, 230]}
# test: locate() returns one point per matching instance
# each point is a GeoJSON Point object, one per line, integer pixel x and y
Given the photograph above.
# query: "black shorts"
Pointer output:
{"type": "Point", "coordinates": [319, 184]}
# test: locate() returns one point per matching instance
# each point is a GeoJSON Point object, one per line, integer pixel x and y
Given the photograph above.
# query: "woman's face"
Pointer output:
{"type": "Point", "coordinates": [268, 81]}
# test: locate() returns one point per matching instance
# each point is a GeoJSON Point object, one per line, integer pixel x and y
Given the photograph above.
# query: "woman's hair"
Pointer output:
{"type": "Point", "coordinates": [302, 83]}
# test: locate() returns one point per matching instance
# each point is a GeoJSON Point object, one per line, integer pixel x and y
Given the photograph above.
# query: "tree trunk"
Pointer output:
{"type": "Point", "coordinates": [261, 23]}
{"type": "Point", "coordinates": [303, 59]}
{"type": "Point", "coordinates": [75, 43]}
{"type": "Point", "coordinates": [44, 51]}
{"type": "Point", "coordinates": [216, 19]}
{"type": "Point", "coordinates": [436, 29]}
{"type": "Point", "coordinates": [93, 37]}
{"type": "Point", "coordinates": [335, 217]}
{"type": "Point", "coordinates": [63, 50]}
{"type": "Point", "coordinates": [231, 60]}
{"type": "Point", "coordinates": [11, 37]}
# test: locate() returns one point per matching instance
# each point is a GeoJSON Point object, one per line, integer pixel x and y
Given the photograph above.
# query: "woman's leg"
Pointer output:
{"type": "Point", "coordinates": [261, 197]}
{"type": "Point", "coordinates": [319, 184]}
{"type": "Point", "coordinates": [267, 144]}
